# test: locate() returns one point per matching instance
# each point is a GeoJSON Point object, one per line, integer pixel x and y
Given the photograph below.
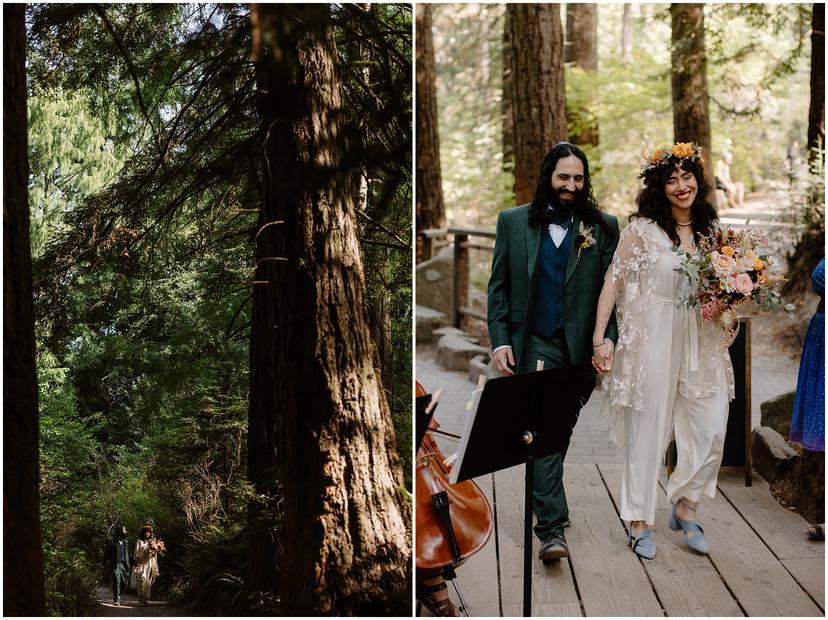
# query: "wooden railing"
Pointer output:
{"type": "Point", "coordinates": [463, 240]}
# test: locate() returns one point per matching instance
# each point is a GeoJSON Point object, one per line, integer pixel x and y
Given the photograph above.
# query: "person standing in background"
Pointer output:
{"type": "Point", "coordinates": [808, 420]}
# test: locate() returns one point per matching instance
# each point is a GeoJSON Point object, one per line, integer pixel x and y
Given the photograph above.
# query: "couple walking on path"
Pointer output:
{"type": "Point", "coordinates": [138, 574]}
{"type": "Point", "coordinates": [567, 288]}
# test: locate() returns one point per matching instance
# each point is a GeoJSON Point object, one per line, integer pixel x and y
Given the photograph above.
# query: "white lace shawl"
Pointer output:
{"type": "Point", "coordinates": [638, 281]}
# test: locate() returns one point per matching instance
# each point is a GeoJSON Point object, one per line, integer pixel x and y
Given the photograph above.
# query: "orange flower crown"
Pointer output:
{"type": "Point", "coordinates": [670, 156]}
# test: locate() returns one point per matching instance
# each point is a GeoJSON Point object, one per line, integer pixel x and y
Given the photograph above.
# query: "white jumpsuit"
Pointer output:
{"type": "Point", "coordinates": [672, 374]}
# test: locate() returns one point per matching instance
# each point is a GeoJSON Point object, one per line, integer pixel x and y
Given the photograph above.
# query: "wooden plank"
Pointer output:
{"type": "Point", "coordinates": [756, 578]}
{"type": "Point", "coordinates": [782, 530]}
{"type": "Point", "coordinates": [553, 590]}
{"type": "Point", "coordinates": [678, 576]}
{"type": "Point", "coordinates": [611, 580]}
{"type": "Point", "coordinates": [810, 575]}
{"type": "Point", "coordinates": [477, 578]}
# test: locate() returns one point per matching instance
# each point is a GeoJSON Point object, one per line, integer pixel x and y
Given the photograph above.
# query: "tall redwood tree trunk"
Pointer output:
{"type": "Point", "coordinates": [816, 110]}
{"type": "Point", "coordinates": [582, 52]}
{"type": "Point", "coordinates": [23, 585]}
{"type": "Point", "coordinates": [507, 114]}
{"type": "Point", "coordinates": [691, 116]}
{"type": "Point", "coordinates": [345, 523]}
{"type": "Point", "coordinates": [431, 211]}
{"type": "Point", "coordinates": [538, 95]}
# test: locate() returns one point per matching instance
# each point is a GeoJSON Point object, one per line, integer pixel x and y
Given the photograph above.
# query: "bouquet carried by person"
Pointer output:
{"type": "Point", "coordinates": [728, 271]}
{"type": "Point", "coordinates": [157, 547]}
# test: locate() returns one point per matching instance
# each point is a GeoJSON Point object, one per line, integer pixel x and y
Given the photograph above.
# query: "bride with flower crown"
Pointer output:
{"type": "Point", "coordinates": [669, 373]}
{"type": "Point", "coordinates": [145, 564]}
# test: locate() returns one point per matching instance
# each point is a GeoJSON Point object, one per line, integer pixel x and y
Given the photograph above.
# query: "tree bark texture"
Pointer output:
{"type": "Point", "coordinates": [538, 95]}
{"type": "Point", "coordinates": [23, 582]}
{"type": "Point", "coordinates": [431, 211]}
{"type": "Point", "coordinates": [691, 117]}
{"type": "Point", "coordinates": [345, 521]}
{"type": "Point", "coordinates": [582, 52]}
{"type": "Point", "coordinates": [506, 98]}
{"type": "Point", "coordinates": [816, 110]}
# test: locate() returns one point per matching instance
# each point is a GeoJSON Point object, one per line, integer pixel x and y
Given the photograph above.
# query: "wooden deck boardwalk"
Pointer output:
{"type": "Point", "coordinates": [760, 563]}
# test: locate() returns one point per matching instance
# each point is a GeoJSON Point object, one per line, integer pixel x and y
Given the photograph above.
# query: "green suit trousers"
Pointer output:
{"type": "Point", "coordinates": [549, 496]}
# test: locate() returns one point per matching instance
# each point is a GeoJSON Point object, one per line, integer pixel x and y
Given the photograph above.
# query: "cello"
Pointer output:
{"type": "Point", "coordinates": [454, 521]}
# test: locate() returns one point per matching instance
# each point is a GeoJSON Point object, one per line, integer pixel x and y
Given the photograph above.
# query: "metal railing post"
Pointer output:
{"type": "Point", "coordinates": [461, 276]}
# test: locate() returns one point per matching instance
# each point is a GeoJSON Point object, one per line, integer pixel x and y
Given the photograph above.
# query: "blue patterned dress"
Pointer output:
{"type": "Point", "coordinates": [808, 422]}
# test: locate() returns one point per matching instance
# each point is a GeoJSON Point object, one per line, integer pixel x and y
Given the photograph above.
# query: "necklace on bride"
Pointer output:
{"type": "Point", "coordinates": [684, 223]}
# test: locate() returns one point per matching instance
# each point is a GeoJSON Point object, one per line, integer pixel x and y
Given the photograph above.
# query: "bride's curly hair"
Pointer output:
{"type": "Point", "coordinates": [653, 203]}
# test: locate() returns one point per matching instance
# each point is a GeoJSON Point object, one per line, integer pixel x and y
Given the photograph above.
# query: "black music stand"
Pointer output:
{"type": "Point", "coordinates": [518, 419]}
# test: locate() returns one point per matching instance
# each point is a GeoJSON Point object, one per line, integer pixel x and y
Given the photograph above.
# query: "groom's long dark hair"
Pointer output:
{"type": "Point", "coordinates": [585, 204]}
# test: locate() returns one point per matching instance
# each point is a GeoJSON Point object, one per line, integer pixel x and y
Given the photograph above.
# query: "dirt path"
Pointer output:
{"type": "Point", "coordinates": [130, 607]}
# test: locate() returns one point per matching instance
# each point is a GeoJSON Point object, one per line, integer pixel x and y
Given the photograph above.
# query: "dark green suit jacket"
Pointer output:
{"type": "Point", "coordinates": [514, 278]}
{"type": "Point", "coordinates": [110, 559]}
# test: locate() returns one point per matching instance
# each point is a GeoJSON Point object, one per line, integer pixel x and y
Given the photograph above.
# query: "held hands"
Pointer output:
{"type": "Point", "coordinates": [603, 356]}
{"type": "Point", "coordinates": [504, 358]}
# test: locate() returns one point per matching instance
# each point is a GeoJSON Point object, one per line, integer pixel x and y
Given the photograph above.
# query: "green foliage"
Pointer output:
{"type": "Point", "coordinates": [71, 583]}
{"type": "Point", "coordinates": [71, 155]}
{"type": "Point", "coordinates": [145, 191]}
{"type": "Point", "coordinates": [757, 80]}
{"type": "Point", "coordinates": [468, 50]}
{"type": "Point", "coordinates": [210, 585]}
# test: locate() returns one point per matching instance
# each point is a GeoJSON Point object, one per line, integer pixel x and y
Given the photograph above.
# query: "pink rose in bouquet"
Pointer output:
{"type": "Point", "coordinates": [727, 271]}
{"type": "Point", "coordinates": [744, 285]}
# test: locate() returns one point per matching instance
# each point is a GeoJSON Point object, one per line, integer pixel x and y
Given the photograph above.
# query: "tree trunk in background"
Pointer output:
{"type": "Point", "coordinates": [506, 99]}
{"type": "Point", "coordinates": [816, 111]}
{"type": "Point", "coordinates": [691, 118]}
{"type": "Point", "coordinates": [582, 50]}
{"type": "Point", "coordinates": [431, 212]}
{"type": "Point", "coordinates": [626, 34]}
{"type": "Point", "coordinates": [23, 584]}
{"type": "Point", "coordinates": [346, 533]}
{"type": "Point", "coordinates": [538, 95]}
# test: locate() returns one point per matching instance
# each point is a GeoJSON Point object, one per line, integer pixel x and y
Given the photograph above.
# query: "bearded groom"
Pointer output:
{"type": "Point", "coordinates": [550, 257]}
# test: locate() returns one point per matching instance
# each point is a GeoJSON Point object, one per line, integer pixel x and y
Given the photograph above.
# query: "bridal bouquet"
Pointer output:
{"type": "Point", "coordinates": [157, 547]}
{"type": "Point", "coordinates": [730, 270]}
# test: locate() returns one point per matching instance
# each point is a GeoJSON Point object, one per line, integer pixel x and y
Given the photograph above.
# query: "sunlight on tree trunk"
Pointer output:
{"type": "Point", "coordinates": [691, 117]}
{"type": "Point", "coordinates": [431, 212]}
{"type": "Point", "coordinates": [344, 517]}
{"type": "Point", "coordinates": [582, 52]}
{"type": "Point", "coordinates": [538, 94]}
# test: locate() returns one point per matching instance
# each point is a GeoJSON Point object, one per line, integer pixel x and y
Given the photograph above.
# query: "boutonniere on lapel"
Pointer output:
{"type": "Point", "coordinates": [584, 239]}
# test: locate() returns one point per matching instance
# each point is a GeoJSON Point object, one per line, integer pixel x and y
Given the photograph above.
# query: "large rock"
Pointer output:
{"type": "Point", "coordinates": [455, 353]}
{"type": "Point", "coordinates": [773, 457]}
{"type": "Point", "coordinates": [803, 487]}
{"type": "Point", "coordinates": [477, 367]}
{"type": "Point", "coordinates": [776, 413]}
{"type": "Point", "coordinates": [428, 320]}
{"type": "Point", "coordinates": [453, 331]}
{"type": "Point", "coordinates": [483, 365]}
{"type": "Point", "coordinates": [435, 282]}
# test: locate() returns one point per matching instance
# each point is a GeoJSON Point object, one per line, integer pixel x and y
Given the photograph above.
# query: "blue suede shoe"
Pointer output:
{"type": "Point", "coordinates": [643, 545]}
{"type": "Point", "coordinates": [695, 542]}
